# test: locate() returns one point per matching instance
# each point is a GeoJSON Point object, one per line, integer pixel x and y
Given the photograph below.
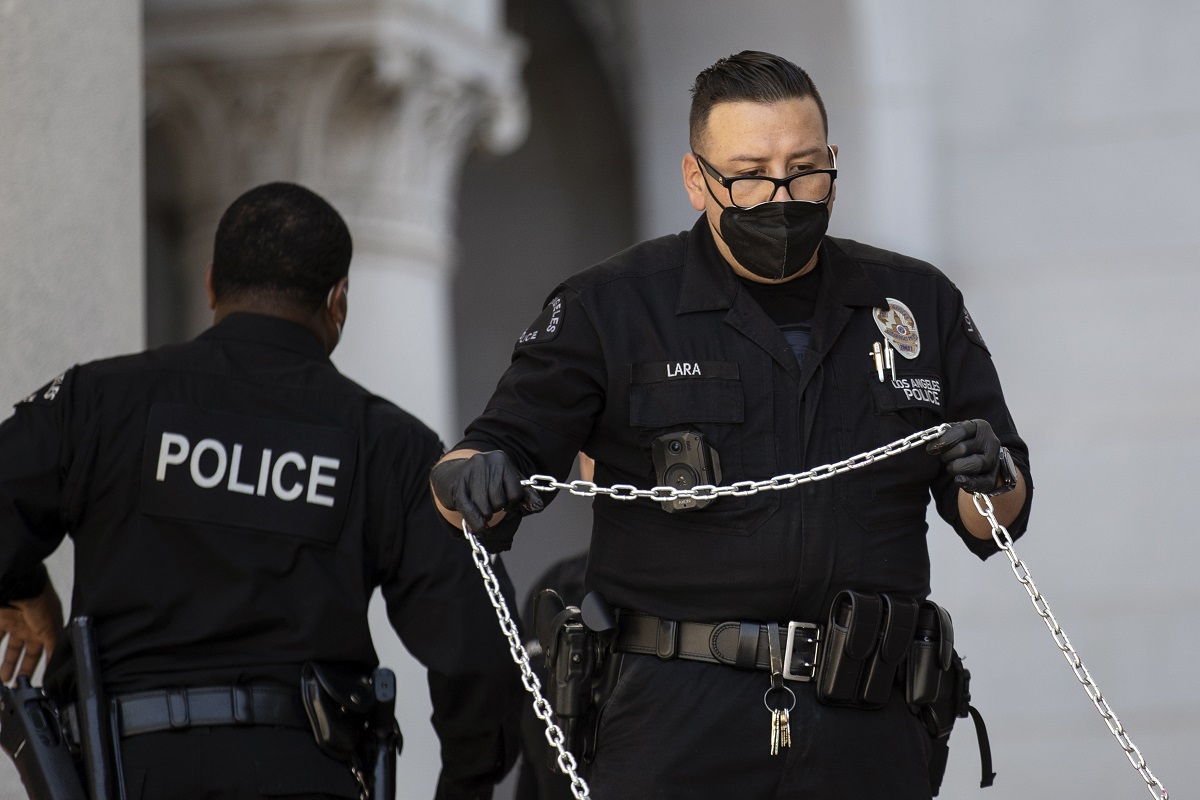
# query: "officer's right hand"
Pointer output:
{"type": "Point", "coordinates": [481, 486]}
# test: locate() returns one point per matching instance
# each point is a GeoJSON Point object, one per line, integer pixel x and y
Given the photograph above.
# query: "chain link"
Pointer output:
{"type": "Point", "coordinates": [541, 707]}
{"type": "Point", "coordinates": [983, 504]}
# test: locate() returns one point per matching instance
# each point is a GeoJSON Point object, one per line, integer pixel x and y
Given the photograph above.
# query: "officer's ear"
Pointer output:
{"type": "Point", "coordinates": [693, 182]}
{"type": "Point", "coordinates": [337, 302]}
{"type": "Point", "coordinates": [208, 286]}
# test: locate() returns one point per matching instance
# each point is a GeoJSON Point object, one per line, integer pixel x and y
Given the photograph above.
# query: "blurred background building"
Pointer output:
{"type": "Point", "coordinates": [1044, 155]}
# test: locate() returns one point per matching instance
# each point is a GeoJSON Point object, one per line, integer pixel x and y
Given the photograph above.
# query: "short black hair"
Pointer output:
{"type": "Point", "coordinates": [749, 75]}
{"type": "Point", "coordinates": [280, 239]}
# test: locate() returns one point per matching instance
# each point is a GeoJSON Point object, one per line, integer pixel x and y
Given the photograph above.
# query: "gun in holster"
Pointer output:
{"type": "Point", "coordinates": [938, 690]}
{"type": "Point", "coordinates": [33, 731]}
{"type": "Point", "coordinates": [576, 641]}
{"type": "Point", "coordinates": [353, 718]}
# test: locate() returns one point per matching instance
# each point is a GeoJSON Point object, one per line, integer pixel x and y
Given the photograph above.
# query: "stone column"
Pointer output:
{"type": "Point", "coordinates": [70, 202]}
{"type": "Point", "coordinates": [374, 104]}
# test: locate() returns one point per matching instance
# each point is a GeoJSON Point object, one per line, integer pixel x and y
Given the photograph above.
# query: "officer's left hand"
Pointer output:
{"type": "Point", "coordinates": [32, 628]}
{"type": "Point", "coordinates": [971, 452]}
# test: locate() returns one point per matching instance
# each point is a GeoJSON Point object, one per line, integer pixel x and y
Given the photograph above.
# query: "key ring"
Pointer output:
{"type": "Point", "coordinates": [784, 688]}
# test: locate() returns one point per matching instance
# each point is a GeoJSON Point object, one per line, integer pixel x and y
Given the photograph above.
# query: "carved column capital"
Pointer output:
{"type": "Point", "coordinates": [371, 102]}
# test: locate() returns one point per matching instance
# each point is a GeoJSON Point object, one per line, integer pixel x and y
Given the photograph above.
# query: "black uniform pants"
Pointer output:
{"type": "Point", "coordinates": [232, 763]}
{"type": "Point", "coordinates": [686, 729]}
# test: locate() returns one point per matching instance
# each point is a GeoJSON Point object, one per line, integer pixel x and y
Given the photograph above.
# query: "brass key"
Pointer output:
{"type": "Point", "coordinates": [785, 728]}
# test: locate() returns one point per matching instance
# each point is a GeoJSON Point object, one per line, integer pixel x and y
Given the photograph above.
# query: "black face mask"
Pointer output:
{"type": "Point", "coordinates": [775, 240]}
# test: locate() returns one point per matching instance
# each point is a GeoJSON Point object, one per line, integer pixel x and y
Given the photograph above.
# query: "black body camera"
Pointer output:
{"type": "Point", "coordinates": [682, 460]}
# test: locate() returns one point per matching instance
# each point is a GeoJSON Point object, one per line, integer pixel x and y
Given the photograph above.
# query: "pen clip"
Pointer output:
{"type": "Point", "coordinates": [877, 355]}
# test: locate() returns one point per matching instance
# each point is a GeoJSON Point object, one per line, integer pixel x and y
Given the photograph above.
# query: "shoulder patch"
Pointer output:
{"type": "Point", "coordinates": [546, 327]}
{"type": "Point", "coordinates": [47, 394]}
{"type": "Point", "coordinates": [972, 331]}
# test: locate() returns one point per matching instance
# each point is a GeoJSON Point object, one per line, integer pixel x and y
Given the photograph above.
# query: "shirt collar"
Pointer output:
{"type": "Point", "coordinates": [709, 283]}
{"type": "Point", "coordinates": [269, 330]}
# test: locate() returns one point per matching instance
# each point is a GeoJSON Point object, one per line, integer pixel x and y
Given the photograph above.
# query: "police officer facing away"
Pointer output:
{"type": "Point", "coordinates": [233, 503]}
{"type": "Point", "coordinates": [751, 346]}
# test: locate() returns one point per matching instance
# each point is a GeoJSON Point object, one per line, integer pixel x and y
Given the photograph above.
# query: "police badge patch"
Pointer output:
{"type": "Point", "coordinates": [898, 325]}
{"type": "Point", "coordinates": [546, 326]}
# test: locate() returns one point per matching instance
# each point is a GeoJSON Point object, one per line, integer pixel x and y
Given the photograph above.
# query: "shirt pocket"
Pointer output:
{"type": "Point", "coordinates": [707, 397]}
{"type": "Point", "coordinates": [669, 393]}
{"type": "Point", "coordinates": [895, 491]}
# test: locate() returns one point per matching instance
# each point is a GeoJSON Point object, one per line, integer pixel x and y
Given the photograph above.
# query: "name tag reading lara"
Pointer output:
{"type": "Point", "coordinates": [683, 369]}
{"type": "Point", "coordinates": [264, 474]}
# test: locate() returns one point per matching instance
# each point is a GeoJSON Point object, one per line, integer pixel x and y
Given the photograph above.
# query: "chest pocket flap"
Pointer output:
{"type": "Point", "coordinates": [677, 392]}
{"type": "Point", "coordinates": [916, 389]}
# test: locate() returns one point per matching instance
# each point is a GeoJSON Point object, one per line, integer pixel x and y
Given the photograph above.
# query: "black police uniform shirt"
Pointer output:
{"type": "Point", "coordinates": [663, 338]}
{"type": "Point", "coordinates": [233, 502]}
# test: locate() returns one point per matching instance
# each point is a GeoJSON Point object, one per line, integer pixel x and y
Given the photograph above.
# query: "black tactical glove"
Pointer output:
{"type": "Point", "coordinates": [479, 486]}
{"type": "Point", "coordinates": [971, 452]}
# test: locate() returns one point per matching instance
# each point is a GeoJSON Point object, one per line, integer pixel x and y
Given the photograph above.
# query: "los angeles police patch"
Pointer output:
{"type": "Point", "coordinates": [47, 393]}
{"type": "Point", "coordinates": [971, 330]}
{"type": "Point", "coordinates": [546, 326]}
{"type": "Point", "coordinates": [897, 323]}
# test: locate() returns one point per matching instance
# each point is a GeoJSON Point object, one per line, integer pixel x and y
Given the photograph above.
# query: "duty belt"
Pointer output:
{"type": "Point", "coordinates": [744, 645]}
{"type": "Point", "coordinates": [178, 709]}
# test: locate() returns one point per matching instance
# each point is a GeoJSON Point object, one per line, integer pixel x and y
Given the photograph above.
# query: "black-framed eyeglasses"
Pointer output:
{"type": "Point", "coordinates": [746, 191]}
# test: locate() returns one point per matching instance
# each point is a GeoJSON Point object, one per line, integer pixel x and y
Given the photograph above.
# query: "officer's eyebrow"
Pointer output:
{"type": "Point", "coordinates": [807, 153]}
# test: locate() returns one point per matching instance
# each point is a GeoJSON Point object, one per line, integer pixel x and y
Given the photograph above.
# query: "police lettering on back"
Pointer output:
{"type": "Point", "coordinates": [256, 473]}
{"type": "Point", "coordinates": [210, 463]}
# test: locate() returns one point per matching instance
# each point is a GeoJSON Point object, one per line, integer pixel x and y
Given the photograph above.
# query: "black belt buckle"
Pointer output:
{"type": "Point", "coordinates": [798, 646]}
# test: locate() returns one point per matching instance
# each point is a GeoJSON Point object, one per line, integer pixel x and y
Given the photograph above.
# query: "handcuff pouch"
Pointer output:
{"type": "Point", "coordinates": [867, 640]}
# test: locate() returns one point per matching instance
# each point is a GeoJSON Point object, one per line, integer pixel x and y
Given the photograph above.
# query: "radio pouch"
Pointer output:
{"type": "Point", "coordinates": [338, 700]}
{"type": "Point", "coordinates": [853, 632]}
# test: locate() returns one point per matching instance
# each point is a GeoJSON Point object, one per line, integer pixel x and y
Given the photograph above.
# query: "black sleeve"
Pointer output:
{"type": "Point", "coordinates": [437, 604]}
{"type": "Point", "coordinates": [548, 399]}
{"type": "Point", "coordinates": [34, 463]}
{"type": "Point", "coordinates": [976, 394]}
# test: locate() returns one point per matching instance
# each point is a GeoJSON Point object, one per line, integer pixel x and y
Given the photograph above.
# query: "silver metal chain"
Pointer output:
{"type": "Point", "coordinates": [541, 707]}
{"type": "Point", "coordinates": [983, 504]}
{"type": "Point", "coordinates": [581, 488]}
{"type": "Point", "coordinates": [624, 491]}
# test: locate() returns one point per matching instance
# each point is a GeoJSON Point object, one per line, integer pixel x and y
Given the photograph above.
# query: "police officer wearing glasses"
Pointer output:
{"type": "Point", "coordinates": [233, 502]}
{"type": "Point", "coordinates": [780, 644]}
